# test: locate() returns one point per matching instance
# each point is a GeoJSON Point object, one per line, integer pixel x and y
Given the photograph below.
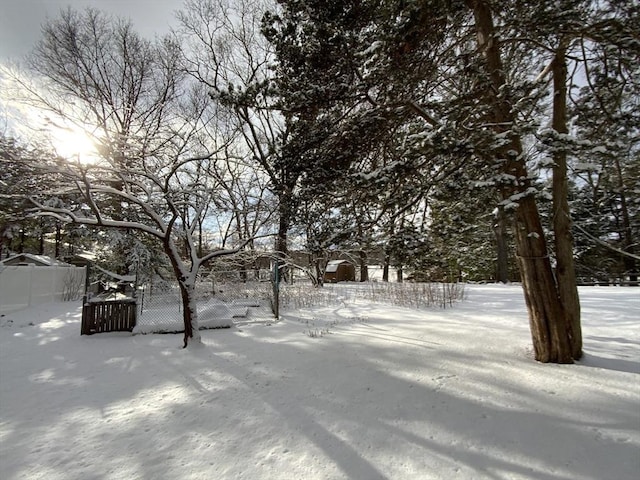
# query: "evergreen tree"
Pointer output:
{"type": "Point", "coordinates": [444, 64]}
{"type": "Point", "coordinates": [20, 177]}
{"type": "Point", "coordinates": [607, 161]}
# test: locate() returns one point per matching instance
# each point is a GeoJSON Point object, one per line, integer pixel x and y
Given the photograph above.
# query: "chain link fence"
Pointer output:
{"type": "Point", "coordinates": [223, 298]}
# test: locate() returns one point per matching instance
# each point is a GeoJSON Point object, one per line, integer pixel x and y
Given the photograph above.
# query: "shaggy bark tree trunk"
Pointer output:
{"type": "Point", "coordinates": [550, 329]}
{"type": "Point", "coordinates": [565, 268]}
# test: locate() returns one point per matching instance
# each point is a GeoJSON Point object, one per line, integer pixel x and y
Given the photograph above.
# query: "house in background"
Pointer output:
{"type": "Point", "coordinates": [340, 271]}
{"type": "Point", "coordinates": [26, 259]}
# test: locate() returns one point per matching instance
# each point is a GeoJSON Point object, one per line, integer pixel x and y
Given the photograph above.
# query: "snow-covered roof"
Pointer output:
{"type": "Point", "coordinates": [120, 278]}
{"type": "Point", "coordinates": [86, 255]}
{"type": "Point", "coordinates": [29, 258]}
{"type": "Point", "coordinates": [333, 265]}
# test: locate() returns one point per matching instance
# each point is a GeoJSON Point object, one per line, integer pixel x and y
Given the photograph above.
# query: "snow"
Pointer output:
{"type": "Point", "coordinates": [348, 391]}
{"type": "Point", "coordinates": [332, 266]}
{"type": "Point", "coordinates": [587, 167]}
{"type": "Point", "coordinates": [31, 259]}
{"type": "Point", "coordinates": [120, 278]}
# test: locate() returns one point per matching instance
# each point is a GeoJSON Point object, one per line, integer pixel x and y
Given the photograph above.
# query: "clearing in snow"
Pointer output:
{"type": "Point", "coordinates": [350, 391]}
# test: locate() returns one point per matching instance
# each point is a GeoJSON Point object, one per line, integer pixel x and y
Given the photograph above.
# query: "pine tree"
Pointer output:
{"type": "Point", "coordinates": [608, 158]}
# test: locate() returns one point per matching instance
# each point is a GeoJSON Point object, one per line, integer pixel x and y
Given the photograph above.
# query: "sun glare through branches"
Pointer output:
{"type": "Point", "coordinates": [73, 144]}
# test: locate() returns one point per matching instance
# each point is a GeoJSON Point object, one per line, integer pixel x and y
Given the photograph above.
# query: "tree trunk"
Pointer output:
{"type": "Point", "coordinates": [41, 234]}
{"type": "Point", "coordinates": [200, 239]}
{"type": "Point", "coordinates": [502, 261]}
{"type": "Point", "coordinates": [319, 261]}
{"type": "Point", "coordinates": [548, 322]}
{"type": "Point", "coordinates": [187, 292]}
{"type": "Point", "coordinates": [565, 268]}
{"type": "Point", "coordinates": [364, 268]}
{"type": "Point", "coordinates": [385, 268]}
{"type": "Point", "coordinates": [629, 261]}
{"type": "Point", "coordinates": [281, 247]}
{"type": "Point", "coordinates": [21, 244]}
{"type": "Point", "coordinates": [550, 329]}
{"type": "Point", "coordinates": [189, 314]}
{"type": "Point", "coordinates": [41, 242]}
{"type": "Point", "coordinates": [58, 240]}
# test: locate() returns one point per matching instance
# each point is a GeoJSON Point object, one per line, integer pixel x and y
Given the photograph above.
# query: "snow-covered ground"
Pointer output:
{"type": "Point", "coordinates": [354, 391]}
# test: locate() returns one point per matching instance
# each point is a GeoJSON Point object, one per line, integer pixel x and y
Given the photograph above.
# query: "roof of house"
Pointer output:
{"type": "Point", "coordinates": [333, 265]}
{"type": "Point", "coordinates": [31, 259]}
{"type": "Point", "coordinates": [120, 278]}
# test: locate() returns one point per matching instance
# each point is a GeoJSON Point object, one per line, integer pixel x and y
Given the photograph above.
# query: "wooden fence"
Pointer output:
{"type": "Point", "coordinates": [113, 316]}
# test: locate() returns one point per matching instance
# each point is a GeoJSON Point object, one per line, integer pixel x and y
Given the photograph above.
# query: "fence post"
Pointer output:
{"type": "Point", "coordinates": [30, 284]}
{"type": "Point", "coordinates": [55, 284]}
{"type": "Point", "coordinates": [275, 280]}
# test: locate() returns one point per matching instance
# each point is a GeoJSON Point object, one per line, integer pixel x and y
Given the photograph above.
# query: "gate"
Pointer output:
{"type": "Point", "coordinates": [108, 316]}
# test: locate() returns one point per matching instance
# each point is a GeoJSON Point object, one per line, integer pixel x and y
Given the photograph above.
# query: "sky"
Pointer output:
{"type": "Point", "coordinates": [20, 30]}
{"type": "Point", "coordinates": [21, 20]}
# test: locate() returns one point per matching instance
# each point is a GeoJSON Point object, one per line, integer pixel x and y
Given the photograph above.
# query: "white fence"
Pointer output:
{"type": "Point", "coordinates": [25, 285]}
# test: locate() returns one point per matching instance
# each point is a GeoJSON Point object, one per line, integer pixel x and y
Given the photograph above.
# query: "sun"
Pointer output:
{"type": "Point", "coordinates": [67, 139]}
{"type": "Point", "coordinates": [73, 143]}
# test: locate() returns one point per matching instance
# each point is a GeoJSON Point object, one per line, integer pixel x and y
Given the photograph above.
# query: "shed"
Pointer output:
{"type": "Point", "coordinates": [340, 271]}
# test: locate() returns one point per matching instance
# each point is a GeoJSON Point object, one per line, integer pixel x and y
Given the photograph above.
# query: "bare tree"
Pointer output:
{"type": "Point", "coordinates": [158, 138]}
{"type": "Point", "coordinates": [226, 51]}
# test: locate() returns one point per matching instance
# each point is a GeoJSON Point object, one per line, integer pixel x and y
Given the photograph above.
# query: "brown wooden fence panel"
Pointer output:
{"type": "Point", "coordinates": [114, 316]}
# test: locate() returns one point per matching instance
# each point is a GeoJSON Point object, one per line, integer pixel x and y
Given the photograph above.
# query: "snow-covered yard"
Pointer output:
{"type": "Point", "coordinates": [355, 391]}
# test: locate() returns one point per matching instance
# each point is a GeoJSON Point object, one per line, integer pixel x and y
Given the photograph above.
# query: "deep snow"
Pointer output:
{"type": "Point", "coordinates": [357, 391]}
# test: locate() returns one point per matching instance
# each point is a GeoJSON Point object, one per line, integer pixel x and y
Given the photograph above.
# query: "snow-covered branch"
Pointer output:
{"type": "Point", "coordinates": [69, 216]}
